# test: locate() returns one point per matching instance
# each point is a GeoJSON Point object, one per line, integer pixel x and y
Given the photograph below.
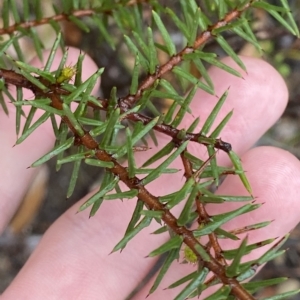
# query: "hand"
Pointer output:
{"type": "Point", "coordinates": [72, 261]}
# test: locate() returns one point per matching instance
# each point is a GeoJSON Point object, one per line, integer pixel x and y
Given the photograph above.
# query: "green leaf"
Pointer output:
{"type": "Point", "coordinates": [251, 38]}
{"type": "Point", "coordinates": [134, 50]}
{"type": "Point", "coordinates": [61, 64]}
{"type": "Point", "coordinates": [3, 103]}
{"type": "Point", "coordinates": [181, 25]}
{"type": "Point", "coordinates": [184, 108]}
{"type": "Point", "coordinates": [25, 10]}
{"type": "Point", "coordinates": [147, 171]}
{"type": "Point", "coordinates": [145, 222]}
{"type": "Point", "coordinates": [273, 10]}
{"type": "Point", "coordinates": [212, 116]}
{"type": "Point", "coordinates": [79, 23]}
{"type": "Point", "coordinates": [161, 230]}
{"type": "Point", "coordinates": [152, 55]}
{"type": "Point", "coordinates": [231, 254]}
{"type": "Point", "coordinates": [220, 294]}
{"type": "Point", "coordinates": [102, 191]}
{"type": "Point", "coordinates": [255, 286]}
{"type": "Point", "coordinates": [80, 89]}
{"type": "Point", "coordinates": [131, 160]}
{"type": "Point", "coordinates": [19, 111]}
{"type": "Point", "coordinates": [152, 213]}
{"type": "Point", "coordinates": [253, 227]}
{"type": "Point", "coordinates": [20, 53]}
{"type": "Point", "coordinates": [113, 120]}
{"type": "Point", "coordinates": [67, 111]}
{"type": "Point", "coordinates": [135, 216]}
{"type": "Point", "coordinates": [292, 21]}
{"type": "Point", "coordinates": [5, 13]}
{"type": "Point", "coordinates": [14, 11]}
{"type": "Point", "coordinates": [210, 196]}
{"type": "Point", "coordinates": [238, 166]}
{"type": "Point", "coordinates": [156, 172]}
{"type": "Point", "coordinates": [128, 195]}
{"type": "Point", "coordinates": [194, 27]}
{"type": "Point", "coordinates": [78, 75]}
{"type": "Point", "coordinates": [220, 127]}
{"type": "Point", "coordinates": [39, 122]}
{"type": "Point", "coordinates": [33, 80]}
{"type": "Point", "coordinates": [246, 272]}
{"type": "Point", "coordinates": [182, 193]}
{"type": "Point", "coordinates": [99, 163]}
{"type": "Point", "coordinates": [43, 104]}
{"type": "Point", "coordinates": [173, 243]}
{"type": "Point", "coordinates": [172, 255]}
{"type": "Point", "coordinates": [202, 252]}
{"type": "Point", "coordinates": [95, 207]}
{"type": "Point", "coordinates": [197, 280]}
{"type": "Point", "coordinates": [183, 280]}
{"type": "Point", "coordinates": [5, 45]}
{"type": "Point", "coordinates": [45, 74]}
{"type": "Point", "coordinates": [135, 76]}
{"type": "Point", "coordinates": [227, 48]}
{"type": "Point", "coordinates": [140, 41]}
{"type": "Point", "coordinates": [218, 220]}
{"type": "Point", "coordinates": [234, 268]}
{"type": "Point", "coordinates": [165, 35]}
{"type": "Point", "coordinates": [211, 58]}
{"type": "Point", "coordinates": [74, 177]}
{"type": "Point", "coordinates": [58, 149]}
{"type": "Point", "coordinates": [199, 65]}
{"type": "Point", "coordinates": [273, 251]}
{"type": "Point", "coordinates": [103, 30]}
{"type": "Point", "coordinates": [283, 295]}
{"type": "Point", "coordinates": [213, 163]}
{"type": "Point", "coordinates": [221, 233]}
{"type": "Point", "coordinates": [29, 119]}
{"type": "Point", "coordinates": [136, 137]}
{"type": "Point", "coordinates": [189, 77]}
{"type": "Point", "coordinates": [163, 95]}
{"type": "Point", "coordinates": [185, 215]}
{"type": "Point", "coordinates": [38, 44]}
{"type": "Point", "coordinates": [161, 153]}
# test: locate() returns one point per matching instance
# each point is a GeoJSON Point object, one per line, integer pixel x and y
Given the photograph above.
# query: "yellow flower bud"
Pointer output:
{"type": "Point", "coordinates": [66, 74]}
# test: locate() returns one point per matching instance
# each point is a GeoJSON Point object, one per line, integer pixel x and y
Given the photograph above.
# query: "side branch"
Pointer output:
{"type": "Point", "coordinates": [80, 13]}
{"type": "Point", "coordinates": [204, 37]}
{"type": "Point", "coordinates": [167, 129]}
{"type": "Point", "coordinates": [43, 21]}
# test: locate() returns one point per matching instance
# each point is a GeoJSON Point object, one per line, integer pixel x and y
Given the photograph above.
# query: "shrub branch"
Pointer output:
{"type": "Point", "coordinates": [151, 201]}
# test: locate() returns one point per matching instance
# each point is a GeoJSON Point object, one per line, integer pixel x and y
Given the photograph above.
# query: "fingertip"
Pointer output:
{"type": "Point", "coordinates": [274, 175]}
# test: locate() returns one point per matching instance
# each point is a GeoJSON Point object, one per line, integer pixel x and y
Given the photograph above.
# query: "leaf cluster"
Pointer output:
{"type": "Point", "coordinates": [93, 138]}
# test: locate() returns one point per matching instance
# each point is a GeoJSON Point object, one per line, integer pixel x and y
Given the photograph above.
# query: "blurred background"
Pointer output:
{"type": "Point", "coordinates": [46, 200]}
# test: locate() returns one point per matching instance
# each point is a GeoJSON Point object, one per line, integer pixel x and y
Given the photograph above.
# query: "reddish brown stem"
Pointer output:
{"type": "Point", "coordinates": [151, 201]}
{"type": "Point", "coordinates": [58, 18]}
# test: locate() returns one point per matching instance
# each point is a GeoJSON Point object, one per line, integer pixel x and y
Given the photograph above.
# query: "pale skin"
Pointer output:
{"type": "Point", "coordinates": [72, 260]}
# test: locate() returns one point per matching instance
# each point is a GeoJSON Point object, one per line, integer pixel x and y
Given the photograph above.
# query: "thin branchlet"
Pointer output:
{"type": "Point", "coordinates": [202, 39]}
{"type": "Point", "coordinates": [79, 13]}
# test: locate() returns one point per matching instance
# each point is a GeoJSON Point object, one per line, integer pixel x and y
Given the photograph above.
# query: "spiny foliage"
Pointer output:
{"type": "Point", "coordinates": [95, 139]}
